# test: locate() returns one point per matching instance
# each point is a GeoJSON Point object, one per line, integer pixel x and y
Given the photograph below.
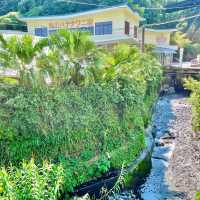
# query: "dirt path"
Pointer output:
{"type": "Point", "coordinates": [176, 159]}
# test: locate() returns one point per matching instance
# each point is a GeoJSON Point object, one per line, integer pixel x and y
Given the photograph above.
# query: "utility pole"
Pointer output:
{"type": "Point", "coordinates": [143, 39]}
{"type": "Point", "coordinates": [181, 51]}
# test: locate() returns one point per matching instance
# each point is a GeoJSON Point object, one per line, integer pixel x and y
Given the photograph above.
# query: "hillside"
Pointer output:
{"type": "Point", "coordinates": [191, 8]}
{"type": "Point", "coordinates": [43, 7]}
{"type": "Point", "coordinates": [59, 7]}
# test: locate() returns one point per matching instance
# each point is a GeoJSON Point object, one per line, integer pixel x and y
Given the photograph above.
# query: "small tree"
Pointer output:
{"type": "Point", "coordinates": [182, 41]}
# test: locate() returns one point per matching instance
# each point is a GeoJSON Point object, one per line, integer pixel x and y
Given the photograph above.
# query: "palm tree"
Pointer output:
{"type": "Point", "coordinates": [182, 41]}
{"type": "Point", "coordinates": [74, 53]}
{"type": "Point", "coordinates": [19, 53]}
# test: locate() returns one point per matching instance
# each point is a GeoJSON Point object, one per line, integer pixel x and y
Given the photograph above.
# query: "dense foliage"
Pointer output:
{"type": "Point", "coordinates": [59, 7]}
{"type": "Point", "coordinates": [43, 7]}
{"type": "Point", "coordinates": [11, 21]}
{"type": "Point", "coordinates": [197, 196]}
{"type": "Point", "coordinates": [191, 27]}
{"type": "Point", "coordinates": [37, 183]}
{"type": "Point", "coordinates": [194, 86]}
{"type": "Point", "coordinates": [74, 104]}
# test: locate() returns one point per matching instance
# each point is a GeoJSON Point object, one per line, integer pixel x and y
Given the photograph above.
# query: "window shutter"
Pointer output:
{"type": "Point", "coordinates": [127, 28]}
{"type": "Point", "coordinates": [135, 31]}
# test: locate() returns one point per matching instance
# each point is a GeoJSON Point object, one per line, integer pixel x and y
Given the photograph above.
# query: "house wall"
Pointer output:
{"type": "Point", "coordinates": [117, 16]}
{"type": "Point", "coordinates": [157, 38]}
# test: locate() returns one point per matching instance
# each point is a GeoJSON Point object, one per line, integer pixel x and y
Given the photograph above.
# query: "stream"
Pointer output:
{"type": "Point", "coordinates": [175, 172]}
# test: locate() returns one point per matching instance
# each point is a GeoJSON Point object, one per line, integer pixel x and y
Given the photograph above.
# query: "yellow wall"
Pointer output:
{"type": "Point", "coordinates": [118, 18]}
{"type": "Point", "coordinates": [157, 38]}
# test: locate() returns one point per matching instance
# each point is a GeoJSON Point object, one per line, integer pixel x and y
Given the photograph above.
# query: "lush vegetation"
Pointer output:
{"type": "Point", "coordinates": [31, 182]}
{"type": "Point", "coordinates": [194, 86]}
{"type": "Point", "coordinates": [43, 7]}
{"type": "Point", "coordinates": [191, 49]}
{"type": "Point", "coordinates": [11, 21]}
{"type": "Point", "coordinates": [191, 27]}
{"type": "Point", "coordinates": [197, 196]}
{"type": "Point", "coordinates": [77, 106]}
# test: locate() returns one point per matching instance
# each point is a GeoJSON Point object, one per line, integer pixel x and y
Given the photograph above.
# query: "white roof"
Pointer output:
{"type": "Point", "coordinates": [82, 14]}
{"type": "Point", "coordinates": [11, 32]}
{"type": "Point", "coordinates": [160, 30]}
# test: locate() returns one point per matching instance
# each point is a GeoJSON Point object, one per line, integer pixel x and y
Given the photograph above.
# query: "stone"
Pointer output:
{"type": "Point", "coordinates": [171, 90]}
{"type": "Point", "coordinates": [159, 143]}
{"type": "Point", "coordinates": [85, 197]}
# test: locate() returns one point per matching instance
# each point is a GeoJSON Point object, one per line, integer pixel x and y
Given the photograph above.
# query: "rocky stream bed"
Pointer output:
{"type": "Point", "coordinates": [175, 170]}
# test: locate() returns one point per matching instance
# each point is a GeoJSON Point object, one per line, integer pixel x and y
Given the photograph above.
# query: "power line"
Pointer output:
{"type": "Point", "coordinates": [145, 8]}
{"type": "Point", "coordinates": [14, 24]}
{"type": "Point", "coordinates": [83, 3]}
{"type": "Point", "coordinates": [146, 25]}
{"type": "Point", "coordinates": [172, 21]}
{"type": "Point", "coordinates": [172, 8]}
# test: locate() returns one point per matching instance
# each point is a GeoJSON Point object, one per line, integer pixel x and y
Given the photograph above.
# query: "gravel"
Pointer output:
{"type": "Point", "coordinates": [175, 170]}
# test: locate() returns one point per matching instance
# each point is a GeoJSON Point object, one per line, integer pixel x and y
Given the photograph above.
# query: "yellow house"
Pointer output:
{"type": "Point", "coordinates": [160, 38]}
{"type": "Point", "coordinates": [106, 25]}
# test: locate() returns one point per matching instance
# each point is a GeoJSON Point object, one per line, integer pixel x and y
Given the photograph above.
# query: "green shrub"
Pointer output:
{"type": "Point", "coordinates": [31, 182]}
{"type": "Point", "coordinates": [11, 21]}
{"type": "Point", "coordinates": [194, 86]}
{"type": "Point", "coordinates": [90, 118]}
{"type": "Point", "coordinates": [197, 196]}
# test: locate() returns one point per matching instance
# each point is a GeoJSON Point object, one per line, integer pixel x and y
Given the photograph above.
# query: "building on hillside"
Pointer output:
{"type": "Point", "coordinates": [107, 26]}
{"type": "Point", "coordinates": [160, 38]}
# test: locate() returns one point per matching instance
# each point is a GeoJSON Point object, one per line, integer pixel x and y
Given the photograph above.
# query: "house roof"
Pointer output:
{"type": "Point", "coordinates": [161, 30]}
{"type": "Point", "coordinates": [94, 11]}
{"type": "Point", "coordinates": [166, 49]}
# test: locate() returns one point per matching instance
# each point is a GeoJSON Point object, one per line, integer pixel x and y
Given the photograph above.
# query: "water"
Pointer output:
{"type": "Point", "coordinates": [157, 185]}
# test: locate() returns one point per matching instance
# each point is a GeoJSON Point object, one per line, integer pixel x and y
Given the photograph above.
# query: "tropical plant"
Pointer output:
{"type": "Point", "coordinates": [194, 86]}
{"type": "Point", "coordinates": [69, 54]}
{"type": "Point", "coordinates": [180, 39]}
{"type": "Point", "coordinates": [90, 120]}
{"type": "Point", "coordinates": [11, 21]}
{"type": "Point", "coordinates": [197, 196]}
{"type": "Point", "coordinates": [19, 53]}
{"type": "Point", "coordinates": [31, 182]}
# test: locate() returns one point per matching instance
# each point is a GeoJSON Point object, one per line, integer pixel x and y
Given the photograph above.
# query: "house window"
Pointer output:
{"type": "Point", "coordinates": [52, 31]}
{"type": "Point", "coordinates": [89, 29]}
{"type": "Point", "coordinates": [127, 28]}
{"type": "Point", "coordinates": [135, 31]}
{"type": "Point", "coordinates": [103, 28]}
{"type": "Point", "coordinates": [42, 32]}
